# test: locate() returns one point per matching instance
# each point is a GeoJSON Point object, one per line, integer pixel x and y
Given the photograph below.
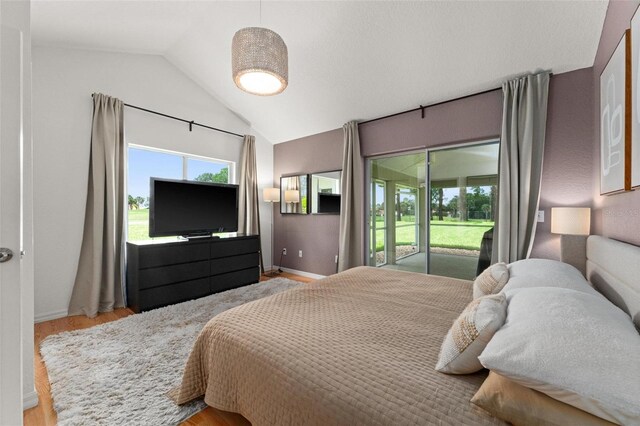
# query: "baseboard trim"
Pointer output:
{"type": "Point", "coordinates": [47, 316]}
{"type": "Point", "coordinates": [29, 400]}
{"type": "Point", "coordinates": [301, 273]}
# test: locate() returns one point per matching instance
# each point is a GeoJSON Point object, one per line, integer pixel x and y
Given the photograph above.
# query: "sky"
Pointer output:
{"type": "Point", "coordinates": [144, 164]}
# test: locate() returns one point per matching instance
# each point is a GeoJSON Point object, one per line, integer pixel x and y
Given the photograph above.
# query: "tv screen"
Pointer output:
{"type": "Point", "coordinates": [178, 207]}
{"type": "Point", "coordinates": [328, 203]}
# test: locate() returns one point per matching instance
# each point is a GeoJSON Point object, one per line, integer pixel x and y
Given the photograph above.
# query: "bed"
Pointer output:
{"type": "Point", "coordinates": [360, 347]}
{"type": "Point", "coordinates": [355, 348]}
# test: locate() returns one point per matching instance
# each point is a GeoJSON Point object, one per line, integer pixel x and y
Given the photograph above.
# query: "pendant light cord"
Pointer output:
{"type": "Point", "coordinates": [261, 13]}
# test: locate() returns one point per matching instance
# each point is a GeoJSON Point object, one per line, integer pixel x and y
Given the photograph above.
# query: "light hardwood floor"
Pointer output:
{"type": "Point", "coordinates": [44, 414]}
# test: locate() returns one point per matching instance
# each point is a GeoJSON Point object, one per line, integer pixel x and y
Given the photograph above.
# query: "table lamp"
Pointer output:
{"type": "Point", "coordinates": [573, 224]}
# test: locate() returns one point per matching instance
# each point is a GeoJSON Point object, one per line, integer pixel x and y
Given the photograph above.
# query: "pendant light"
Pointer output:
{"type": "Point", "coordinates": [259, 61]}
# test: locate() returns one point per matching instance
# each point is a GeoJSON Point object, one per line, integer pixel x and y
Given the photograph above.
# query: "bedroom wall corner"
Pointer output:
{"type": "Point", "coordinates": [568, 157]}
{"type": "Point", "coordinates": [316, 235]}
{"type": "Point", "coordinates": [613, 216]}
{"type": "Point", "coordinates": [63, 80]}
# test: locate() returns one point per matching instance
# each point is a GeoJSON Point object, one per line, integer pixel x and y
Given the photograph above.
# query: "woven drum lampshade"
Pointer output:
{"type": "Point", "coordinates": [259, 61]}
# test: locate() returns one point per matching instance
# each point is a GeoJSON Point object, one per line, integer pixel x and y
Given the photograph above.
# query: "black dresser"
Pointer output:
{"type": "Point", "coordinates": [160, 274]}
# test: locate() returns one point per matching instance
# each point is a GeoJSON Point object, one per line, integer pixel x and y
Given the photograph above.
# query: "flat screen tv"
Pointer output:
{"type": "Point", "coordinates": [328, 203]}
{"type": "Point", "coordinates": [179, 207]}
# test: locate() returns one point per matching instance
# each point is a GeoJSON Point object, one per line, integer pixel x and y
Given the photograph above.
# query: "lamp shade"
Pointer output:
{"type": "Point", "coordinates": [571, 220]}
{"type": "Point", "coordinates": [271, 195]}
{"type": "Point", "coordinates": [259, 61]}
{"type": "Point", "coordinates": [292, 196]}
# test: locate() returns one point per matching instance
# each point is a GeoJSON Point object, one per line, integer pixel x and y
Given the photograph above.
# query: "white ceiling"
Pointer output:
{"type": "Point", "coordinates": [348, 60]}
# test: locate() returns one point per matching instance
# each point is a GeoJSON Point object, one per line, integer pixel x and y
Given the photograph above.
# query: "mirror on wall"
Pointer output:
{"type": "Point", "coordinates": [294, 194]}
{"type": "Point", "coordinates": [325, 192]}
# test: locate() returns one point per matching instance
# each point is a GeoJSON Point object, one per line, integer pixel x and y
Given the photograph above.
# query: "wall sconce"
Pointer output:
{"type": "Point", "coordinates": [292, 196]}
{"type": "Point", "coordinates": [574, 225]}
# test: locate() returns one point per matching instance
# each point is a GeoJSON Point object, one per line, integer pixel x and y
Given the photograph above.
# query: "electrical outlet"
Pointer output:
{"type": "Point", "coordinates": [540, 215]}
{"type": "Point", "coordinates": [284, 251]}
{"type": "Point", "coordinates": [299, 253]}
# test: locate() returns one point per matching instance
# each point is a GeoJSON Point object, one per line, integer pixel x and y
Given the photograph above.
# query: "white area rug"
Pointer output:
{"type": "Point", "coordinates": [119, 373]}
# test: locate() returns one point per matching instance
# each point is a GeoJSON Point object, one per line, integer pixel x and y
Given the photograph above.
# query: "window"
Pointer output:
{"type": "Point", "coordinates": [145, 163]}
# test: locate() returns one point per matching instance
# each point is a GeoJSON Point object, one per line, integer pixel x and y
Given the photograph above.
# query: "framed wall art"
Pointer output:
{"type": "Point", "coordinates": [635, 100]}
{"type": "Point", "coordinates": [615, 120]}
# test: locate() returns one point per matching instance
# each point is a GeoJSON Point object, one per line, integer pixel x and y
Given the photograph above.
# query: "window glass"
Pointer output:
{"type": "Point", "coordinates": [146, 163]}
{"type": "Point", "coordinates": [207, 171]}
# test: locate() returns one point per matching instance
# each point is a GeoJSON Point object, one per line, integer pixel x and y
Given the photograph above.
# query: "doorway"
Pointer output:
{"type": "Point", "coordinates": [463, 206]}
{"type": "Point", "coordinates": [430, 210]}
{"type": "Point", "coordinates": [397, 214]}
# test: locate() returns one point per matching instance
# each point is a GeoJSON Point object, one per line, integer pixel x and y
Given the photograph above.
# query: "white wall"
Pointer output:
{"type": "Point", "coordinates": [63, 80]}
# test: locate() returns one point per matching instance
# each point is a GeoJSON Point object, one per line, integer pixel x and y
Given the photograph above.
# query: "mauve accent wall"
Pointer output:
{"type": "Point", "coordinates": [474, 118]}
{"type": "Point", "coordinates": [568, 157]}
{"type": "Point", "coordinates": [315, 235]}
{"type": "Point", "coordinates": [567, 175]}
{"type": "Point", "coordinates": [614, 216]}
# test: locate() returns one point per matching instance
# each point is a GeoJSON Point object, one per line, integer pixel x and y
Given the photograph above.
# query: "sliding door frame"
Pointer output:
{"type": "Point", "coordinates": [367, 201]}
{"type": "Point", "coordinates": [428, 184]}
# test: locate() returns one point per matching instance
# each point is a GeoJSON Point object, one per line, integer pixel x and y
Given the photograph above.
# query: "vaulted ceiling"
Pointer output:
{"type": "Point", "coordinates": [348, 60]}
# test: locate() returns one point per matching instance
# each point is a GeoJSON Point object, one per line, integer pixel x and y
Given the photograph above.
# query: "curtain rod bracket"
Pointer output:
{"type": "Point", "coordinates": [191, 125]}
{"type": "Point", "coordinates": [422, 109]}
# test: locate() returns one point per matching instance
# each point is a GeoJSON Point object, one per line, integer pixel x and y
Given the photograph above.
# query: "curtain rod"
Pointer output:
{"type": "Point", "coordinates": [191, 123]}
{"type": "Point", "coordinates": [423, 107]}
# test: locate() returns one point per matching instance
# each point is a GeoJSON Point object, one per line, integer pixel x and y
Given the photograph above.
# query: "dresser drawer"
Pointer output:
{"type": "Point", "coordinates": [176, 293]}
{"type": "Point", "coordinates": [234, 263]}
{"type": "Point", "coordinates": [155, 277]}
{"type": "Point", "coordinates": [224, 248]}
{"type": "Point", "coordinates": [231, 280]}
{"type": "Point", "coordinates": [171, 254]}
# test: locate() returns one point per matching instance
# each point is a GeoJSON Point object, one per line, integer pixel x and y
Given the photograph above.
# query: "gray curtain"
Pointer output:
{"type": "Point", "coordinates": [350, 252]}
{"type": "Point", "coordinates": [99, 279]}
{"type": "Point", "coordinates": [524, 124]}
{"type": "Point", "coordinates": [248, 208]}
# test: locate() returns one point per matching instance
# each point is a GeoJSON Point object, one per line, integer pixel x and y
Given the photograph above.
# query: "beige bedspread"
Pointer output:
{"type": "Point", "coordinates": [355, 348]}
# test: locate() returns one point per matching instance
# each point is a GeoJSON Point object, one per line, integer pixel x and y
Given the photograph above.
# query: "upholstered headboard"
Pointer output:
{"type": "Point", "coordinates": [613, 267]}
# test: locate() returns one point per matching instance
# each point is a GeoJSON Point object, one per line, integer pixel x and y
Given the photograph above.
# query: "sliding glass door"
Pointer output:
{"type": "Point", "coordinates": [463, 187]}
{"type": "Point", "coordinates": [396, 212]}
{"type": "Point", "coordinates": [435, 218]}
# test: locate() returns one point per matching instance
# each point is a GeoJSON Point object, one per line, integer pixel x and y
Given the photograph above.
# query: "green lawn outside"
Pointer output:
{"type": "Point", "coordinates": [447, 234]}
{"type": "Point", "coordinates": [138, 226]}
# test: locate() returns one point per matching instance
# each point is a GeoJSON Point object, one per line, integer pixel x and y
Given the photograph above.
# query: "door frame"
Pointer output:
{"type": "Point", "coordinates": [446, 148]}
{"type": "Point", "coordinates": [426, 203]}
{"type": "Point", "coordinates": [367, 198]}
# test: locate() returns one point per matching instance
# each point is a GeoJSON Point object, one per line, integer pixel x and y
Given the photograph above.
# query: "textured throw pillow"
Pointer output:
{"type": "Point", "coordinates": [491, 281]}
{"type": "Point", "coordinates": [575, 347]}
{"type": "Point", "coordinates": [522, 406]}
{"type": "Point", "coordinates": [530, 273]}
{"type": "Point", "coordinates": [470, 333]}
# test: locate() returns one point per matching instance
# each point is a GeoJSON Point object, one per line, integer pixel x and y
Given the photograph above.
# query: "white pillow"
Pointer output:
{"type": "Point", "coordinates": [491, 280]}
{"type": "Point", "coordinates": [470, 333]}
{"type": "Point", "coordinates": [530, 273]}
{"type": "Point", "coordinates": [575, 347]}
